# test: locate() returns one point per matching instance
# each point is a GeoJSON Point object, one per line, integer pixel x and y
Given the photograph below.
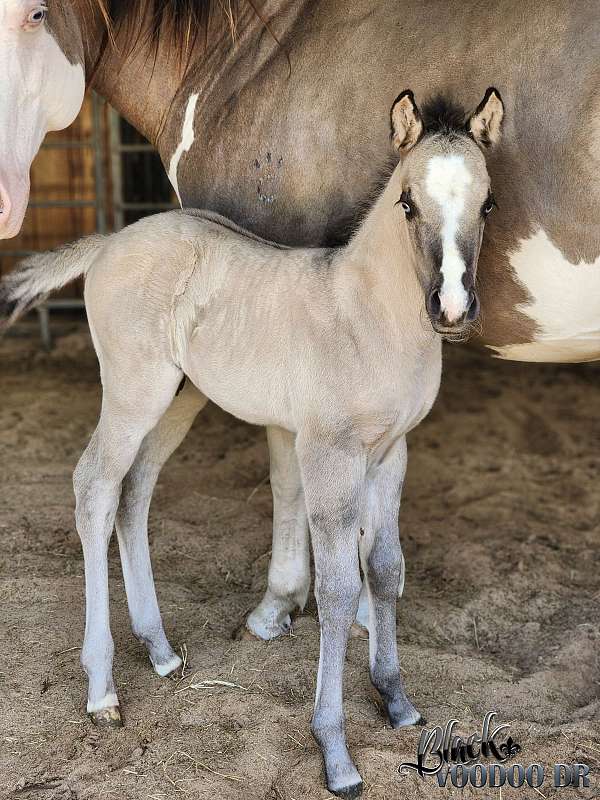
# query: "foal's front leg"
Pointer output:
{"type": "Point", "coordinates": [333, 476]}
{"type": "Point", "coordinates": [383, 568]}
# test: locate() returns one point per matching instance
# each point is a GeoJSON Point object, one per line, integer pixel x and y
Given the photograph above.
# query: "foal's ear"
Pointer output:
{"type": "Point", "coordinates": [485, 123]}
{"type": "Point", "coordinates": [407, 125]}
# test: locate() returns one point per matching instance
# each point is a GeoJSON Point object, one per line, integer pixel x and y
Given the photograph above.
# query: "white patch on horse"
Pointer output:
{"type": "Point", "coordinates": [446, 182]}
{"type": "Point", "coordinates": [187, 140]}
{"type": "Point", "coordinates": [565, 305]}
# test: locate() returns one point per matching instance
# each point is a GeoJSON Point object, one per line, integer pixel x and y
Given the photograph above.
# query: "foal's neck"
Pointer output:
{"type": "Point", "coordinates": [381, 259]}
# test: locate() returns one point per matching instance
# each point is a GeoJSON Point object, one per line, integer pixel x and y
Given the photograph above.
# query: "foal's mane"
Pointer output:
{"type": "Point", "coordinates": [442, 114]}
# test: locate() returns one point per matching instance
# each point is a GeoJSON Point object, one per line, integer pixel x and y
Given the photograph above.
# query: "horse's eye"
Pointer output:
{"type": "Point", "coordinates": [405, 202]}
{"type": "Point", "coordinates": [488, 206]}
{"type": "Point", "coordinates": [36, 17]}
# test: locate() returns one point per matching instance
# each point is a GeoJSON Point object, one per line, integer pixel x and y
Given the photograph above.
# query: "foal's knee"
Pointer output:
{"type": "Point", "coordinates": [338, 595]}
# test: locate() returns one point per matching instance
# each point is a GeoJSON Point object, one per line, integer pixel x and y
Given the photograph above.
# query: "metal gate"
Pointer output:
{"type": "Point", "coordinates": [126, 181]}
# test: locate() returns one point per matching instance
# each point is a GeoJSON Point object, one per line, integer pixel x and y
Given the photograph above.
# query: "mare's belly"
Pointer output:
{"type": "Point", "coordinates": [564, 305]}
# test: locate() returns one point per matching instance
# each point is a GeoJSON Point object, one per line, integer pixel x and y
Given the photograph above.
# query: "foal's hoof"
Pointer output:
{"type": "Point", "coordinates": [268, 626]}
{"type": "Point", "coordinates": [169, 667]}
{"type": "Point", "coordinates": [107, 717]}
{"type": "Point", "coordinates": [343, 779]}
{"type": "Point", "coordinates": [348, 792]}
{"type": "Point", "coordinates": [404, 715]}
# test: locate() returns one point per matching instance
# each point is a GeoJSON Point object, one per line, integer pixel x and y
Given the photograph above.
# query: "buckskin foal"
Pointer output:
{"type": "Point", "coordinates": [329, 347]}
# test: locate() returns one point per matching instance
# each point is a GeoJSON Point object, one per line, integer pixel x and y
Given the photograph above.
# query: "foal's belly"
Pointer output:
{"type": "Point", "coordinates": [564, 305]}
{"type": "Point", "coordinates": [241, 377]}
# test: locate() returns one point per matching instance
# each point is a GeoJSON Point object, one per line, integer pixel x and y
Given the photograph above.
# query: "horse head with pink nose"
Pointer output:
{"type": "Point", "coordinates": [41, 89]}
{"type": "Point", "coordinates": [446, 197]}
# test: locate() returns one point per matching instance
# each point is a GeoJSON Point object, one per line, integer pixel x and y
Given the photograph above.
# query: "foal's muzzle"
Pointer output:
{"type": "Point", "coordinates": [457, 327]}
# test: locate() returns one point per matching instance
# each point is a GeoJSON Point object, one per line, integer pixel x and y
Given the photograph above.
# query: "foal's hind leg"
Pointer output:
{"type": "Point", "coordinates": [289, 570]}
{"type": "Point", "coordinates": [130, 409]}
{"type": "Point", "coordinates": [132, 525]}
{"type": "Point", "coordinates": [383, 568]}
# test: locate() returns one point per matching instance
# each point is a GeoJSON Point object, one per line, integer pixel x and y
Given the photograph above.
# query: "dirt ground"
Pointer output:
{"type": "Point", "coordinates": [500, 528]}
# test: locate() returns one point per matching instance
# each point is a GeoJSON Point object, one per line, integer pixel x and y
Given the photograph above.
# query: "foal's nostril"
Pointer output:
{"type": "Point", "coordinates": [473, 310]}
{"type": "Point", "coordinates": [434, 305]}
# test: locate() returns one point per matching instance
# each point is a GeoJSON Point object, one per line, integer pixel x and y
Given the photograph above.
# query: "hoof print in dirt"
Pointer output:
{"type": "Point", "coordinates": [107, 717]}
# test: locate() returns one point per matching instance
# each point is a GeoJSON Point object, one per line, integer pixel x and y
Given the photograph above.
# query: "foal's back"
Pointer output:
{"type": "Point", "coordinates": [144, 272]}
{"type": "Point", "coordinates": [230, 309]}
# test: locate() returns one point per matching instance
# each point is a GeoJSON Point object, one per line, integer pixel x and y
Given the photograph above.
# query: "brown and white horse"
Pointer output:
{"type": "Point", "coordinates": [282, 131]}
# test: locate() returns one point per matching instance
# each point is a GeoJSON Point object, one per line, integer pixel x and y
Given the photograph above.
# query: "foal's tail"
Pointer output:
{"type": "Point", "coordinates": [35, 277]}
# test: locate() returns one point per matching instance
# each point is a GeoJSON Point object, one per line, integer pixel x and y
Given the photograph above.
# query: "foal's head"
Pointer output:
{"type": "Point", "coordinates": [444, 198]}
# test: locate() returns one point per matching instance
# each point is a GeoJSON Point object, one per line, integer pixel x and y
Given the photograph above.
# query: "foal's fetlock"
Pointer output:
{"type": "Point", "coordinates": [342, 777]}
{"type": "Point", "coordinates": [398, 707]}
{"type": "Point", "coordinates": [105, 712]}
{"type": "Point", "coordinates": [163, 658]}
{"type": "Point", "coordinates": [102, 702]}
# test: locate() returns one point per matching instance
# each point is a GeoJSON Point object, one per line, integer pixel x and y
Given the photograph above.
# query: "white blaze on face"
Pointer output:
{"type": "Point", "coordinates": [40, 91]}
{"type": "Point", "coordinates": [447, 182]}
{"type": "Point", "coordinates": [187, 140]}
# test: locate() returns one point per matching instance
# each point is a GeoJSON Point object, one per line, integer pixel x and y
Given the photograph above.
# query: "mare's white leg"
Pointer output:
{"type": "Point", "coordinates": [289, 570]}
{"type": "Point", "coordinates": [132, 525]}
{"type": "Point", "coordinates": [129, 412]}
{"type": "Point", "coordinates": [333, 471]}
{"type": "Point", "coordinates": [383, 568]}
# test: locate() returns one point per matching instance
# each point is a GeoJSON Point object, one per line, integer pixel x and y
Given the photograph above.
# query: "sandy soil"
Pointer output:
{"type": "Point", "coordinates": [500, 612]}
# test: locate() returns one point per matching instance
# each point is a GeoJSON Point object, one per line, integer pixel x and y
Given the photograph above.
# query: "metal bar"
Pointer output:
{"type": "Point", "coordinates": [45, 332]}
{"type": "Point", "coordinates": [116, 168]}
{"type": "Point", "coordinates": [63, 203]}
{"type": "Point", "coordinates": [66, 144]}
{"type": "Point", "coordinates": [99, 204]}
{"type": "Point", "coordinates": [148, 206]}
{"type": "Point", "coordinates": [136, 148]}
{"type": "Point", "coordinates": [100, 185]}
{"type": "Point", "coordinates": [65, 302]}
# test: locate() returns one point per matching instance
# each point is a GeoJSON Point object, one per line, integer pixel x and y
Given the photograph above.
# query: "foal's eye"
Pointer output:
{"type": "Point", "coordinates": [406, 204]}
{"type": "Point", "coordinates": [36, 17]}
{"type": "Point", "coordinates": [488, 206]}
